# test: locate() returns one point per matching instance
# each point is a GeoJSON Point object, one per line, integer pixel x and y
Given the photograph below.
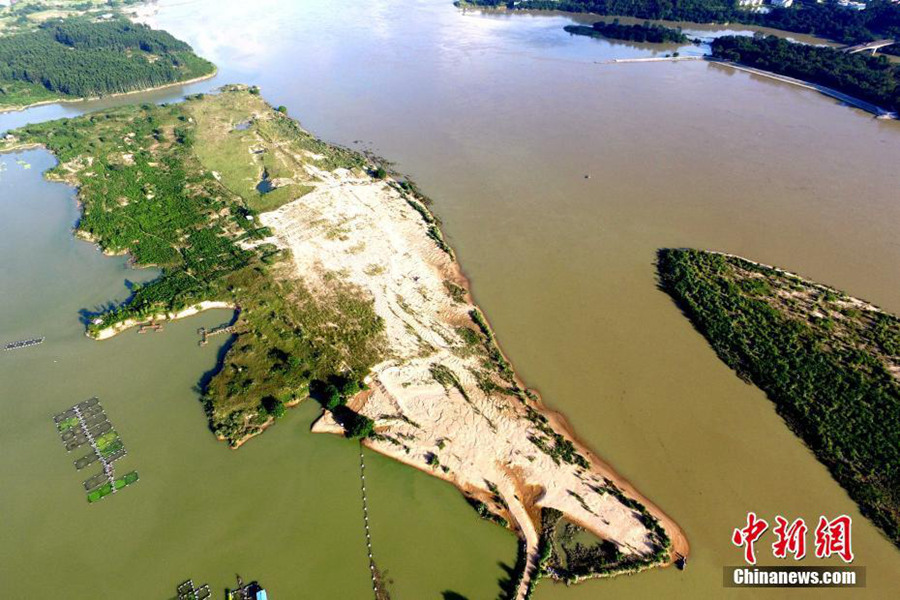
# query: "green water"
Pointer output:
{"type": "Point", "coordinates": [498, 118]}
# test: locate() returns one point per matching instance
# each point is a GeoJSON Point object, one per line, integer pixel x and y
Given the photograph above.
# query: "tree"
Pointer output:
{"type": "Point", "coordinates": [273, 406]}
{"type": "Point", "coordinates": [333, 397]}
{"type": "Point", "coordinates": [359, 426]}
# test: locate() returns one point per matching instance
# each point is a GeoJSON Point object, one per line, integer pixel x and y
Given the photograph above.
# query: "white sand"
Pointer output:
{"type": "Point", "coordinates": [118, 328]}
{"type": "Point", "coordinates": [360, 231]}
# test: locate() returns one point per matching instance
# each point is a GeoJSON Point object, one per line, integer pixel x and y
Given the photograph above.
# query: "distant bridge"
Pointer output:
{"type": "Point", "coordinates": [870, 46]}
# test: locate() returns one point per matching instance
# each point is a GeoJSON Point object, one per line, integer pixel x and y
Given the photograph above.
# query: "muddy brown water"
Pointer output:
{"type": "Point", "coordinates": [499, 118]}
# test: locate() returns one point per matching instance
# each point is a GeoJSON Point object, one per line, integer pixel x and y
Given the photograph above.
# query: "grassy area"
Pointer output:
{"type": "Point", "coordinates": [173, 186]}
{"type": "Point", "coordinates": [830, 364]}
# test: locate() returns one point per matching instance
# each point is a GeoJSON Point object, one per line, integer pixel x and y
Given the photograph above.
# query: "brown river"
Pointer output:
{"type": "Point", "coordinates": [500, 119]}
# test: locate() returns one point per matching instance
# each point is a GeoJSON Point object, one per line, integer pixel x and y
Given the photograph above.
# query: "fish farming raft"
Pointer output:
{"type": "Point", "coordinates": [23, 344]}
{"type": "Point", "coordinates": [187, 591]}
{"type": "Point", "coordinates": [85, 425]}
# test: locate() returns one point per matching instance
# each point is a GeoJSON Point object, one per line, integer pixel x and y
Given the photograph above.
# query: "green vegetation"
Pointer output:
{"type": "Point", "coordinates": [870, 78]}
{"type": "Point", "coordinates": [656, 34]}
{"type": "Point", "coordinates": [25, 15]}
{"type": "Point", "coordinates": [880, 19]}
{"type": "Point", "coordinates": [173, 186]}
{"type": "Point", "coordinates": [79, 57]}
{"type": "Point", "coordinates": [457, 292]}
{"type": "Point", "coordinates": [445, 376]}
{"type": "Point", "coordinates": [68, 424]}
{"type": "Point", "coordinates": [569, 553]}
{"type": "Point", "coordinates": [828, 362]}
{"type": "Point", "coordinates": [117, 485]}
{"type": "Point", "coordinates": [356, 426]}
{"type": "Point", "coordinates": [553, 444]}
{"type": "Point", "coordinates": [495, 356]}
{"type": "Point", "coordinates": [484, 511]}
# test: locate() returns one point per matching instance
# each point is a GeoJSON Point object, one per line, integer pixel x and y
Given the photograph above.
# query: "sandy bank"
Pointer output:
{"type": "Point", "coordinates": [118, 328]}
{"type": "Point", "coordinates": [435, 403]}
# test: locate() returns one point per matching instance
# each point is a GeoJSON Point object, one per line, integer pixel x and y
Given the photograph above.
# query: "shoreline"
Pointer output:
{"type": "Point", "coordinates": [851, 101]}
{"type": "Point", "coordinates": [117, 328]}
{"type": "Point", "coordinates": [503, 445]}
{"type": "Point", "coordinates": [680, 544]}
{"type": "Point", "coordinates": [878, 111]}
{"type": "Point", "coordinates": [441, 366]}
{"type": "Point", "coordinates": [24, 107]}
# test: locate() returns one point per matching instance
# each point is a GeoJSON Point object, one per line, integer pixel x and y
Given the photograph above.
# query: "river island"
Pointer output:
{"type": "Point", "coordinates": [828, 361]}
{"type": "Point", "coordinates": [346, 293]}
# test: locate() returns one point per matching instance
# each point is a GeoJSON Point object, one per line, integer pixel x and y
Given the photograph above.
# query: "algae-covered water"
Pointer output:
{"type": "Point", "coordinates": [499, 118]}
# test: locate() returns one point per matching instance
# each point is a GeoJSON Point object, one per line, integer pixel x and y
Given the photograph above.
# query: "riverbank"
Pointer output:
{"type": "Point", "coordinates": [877, 111]}
{"type": "Point", "coordinates": [117, 328]}
{"type": "Point", "coordinates": [65, 100]}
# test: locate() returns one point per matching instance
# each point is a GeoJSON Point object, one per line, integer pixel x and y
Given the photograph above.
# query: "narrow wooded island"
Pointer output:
{"type": "Point", "coordinates": [829, 362]}
{"type": "Point", "coordinates": [644, 33]}
{"type": "Point", "coordinates": [345, 292]}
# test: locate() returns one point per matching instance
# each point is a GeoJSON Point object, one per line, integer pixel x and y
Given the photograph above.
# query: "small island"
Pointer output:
{"type": "Point", "coordinates": [345, 293]}
{"type": "Point", "coordinates": [644, 33]}
{"type": "Point", "coordinates": [88, 55]}
{"type": "Point", "coordinates": [829, 362]}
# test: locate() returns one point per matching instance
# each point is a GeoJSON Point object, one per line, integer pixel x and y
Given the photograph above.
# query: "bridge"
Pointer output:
{"type": "Point", "coordinates": [869, 46]}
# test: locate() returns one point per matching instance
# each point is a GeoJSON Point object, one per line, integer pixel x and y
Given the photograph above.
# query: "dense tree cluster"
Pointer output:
{"type": "Point", "coordinates": [823, 362]}
{"type": "Point", "coordinates": [79, 57]}
{"type": "Point", "coordinates": [880, 19]}
{"type": "Point", "coordinates": [120, 35]}
{"type": "Point", "coordinates": [646, 32]}
{"type": "Point", "coordinates": [874, 79]}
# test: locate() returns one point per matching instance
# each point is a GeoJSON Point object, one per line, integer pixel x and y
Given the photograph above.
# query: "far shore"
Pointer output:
{"type": "Point", "coordinates": [62, 100]}
{"type": "Point", "coordinates": [879, 112]}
